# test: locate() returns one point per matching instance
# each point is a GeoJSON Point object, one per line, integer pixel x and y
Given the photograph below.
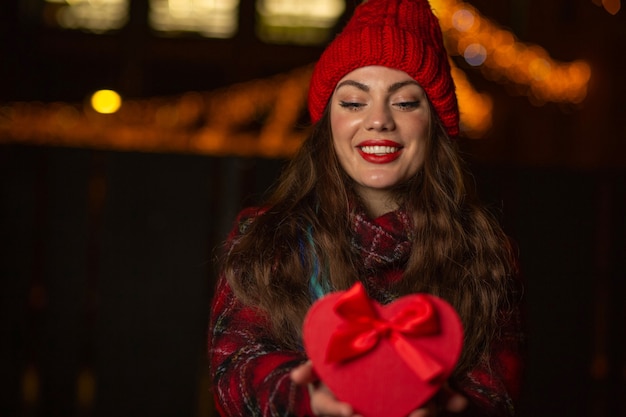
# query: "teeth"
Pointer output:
{"type": "Point", "coordinates": [379, 150]}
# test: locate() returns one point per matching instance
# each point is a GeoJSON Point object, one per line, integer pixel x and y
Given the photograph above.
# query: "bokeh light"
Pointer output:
{"type": "Point", "coordinates": [106, 101]}
{"type": "Point", "coordinates": [501, 56]}
{"type": "Point", "coordinates": [475, 54]}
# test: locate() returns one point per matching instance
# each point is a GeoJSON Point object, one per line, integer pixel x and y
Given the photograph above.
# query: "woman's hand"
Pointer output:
{"type": "Point", "coordinates": [323, 402]}
{"type": "Point", "coordinates": [447, 399]}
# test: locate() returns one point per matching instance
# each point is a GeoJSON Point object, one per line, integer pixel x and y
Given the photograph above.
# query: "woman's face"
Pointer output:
{"type": "Point", "coordinates": [380, 121]}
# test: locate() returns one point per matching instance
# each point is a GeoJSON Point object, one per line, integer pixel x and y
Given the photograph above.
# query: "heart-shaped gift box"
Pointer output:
{"type": "Point", "coordinates": [383, 360]}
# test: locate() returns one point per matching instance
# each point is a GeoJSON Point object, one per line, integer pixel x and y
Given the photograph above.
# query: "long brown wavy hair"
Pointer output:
{"type": "Point", "coordinates": [459, 251]}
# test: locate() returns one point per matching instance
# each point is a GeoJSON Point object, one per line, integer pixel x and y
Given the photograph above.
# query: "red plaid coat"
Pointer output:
{"type": "Point", "coordinates": [250, 369]}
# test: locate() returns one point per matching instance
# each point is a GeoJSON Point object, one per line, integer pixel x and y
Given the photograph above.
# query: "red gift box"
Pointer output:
{"type": "Point", "coordinates": [383, 360]}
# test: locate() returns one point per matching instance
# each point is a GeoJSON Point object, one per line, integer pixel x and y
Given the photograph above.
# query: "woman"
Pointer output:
{"type": "Point", "coordinates": [376, 194]}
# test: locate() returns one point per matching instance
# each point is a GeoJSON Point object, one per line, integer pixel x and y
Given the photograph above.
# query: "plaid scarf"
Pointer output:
{"type": "Point", "coordinates": [381, 245]}
{"type": "Point", "coordinates": [382, 242]}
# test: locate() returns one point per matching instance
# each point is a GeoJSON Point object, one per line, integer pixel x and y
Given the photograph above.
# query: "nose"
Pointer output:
{"type": "Point", "coordinates": [379, 118]}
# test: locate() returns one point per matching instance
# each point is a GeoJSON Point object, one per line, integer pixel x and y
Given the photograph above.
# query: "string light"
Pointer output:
{"type": "Point", "coordinates": [261, 117]}
{"type": "Point", "coordinates": [500, 56]}
{"type": "Point", "coordinates": [475, 108]}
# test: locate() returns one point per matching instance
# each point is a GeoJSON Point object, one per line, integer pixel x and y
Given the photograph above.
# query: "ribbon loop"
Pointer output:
{"type": "Point", "coordinates": [363, 328]}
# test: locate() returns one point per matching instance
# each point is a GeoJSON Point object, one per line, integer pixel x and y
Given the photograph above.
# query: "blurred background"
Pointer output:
{"type": "Point", "coordinates": [132, 131]}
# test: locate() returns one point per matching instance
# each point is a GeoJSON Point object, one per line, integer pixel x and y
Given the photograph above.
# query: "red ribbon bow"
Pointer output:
{"type": "Point", "coordinates": [363, 328]}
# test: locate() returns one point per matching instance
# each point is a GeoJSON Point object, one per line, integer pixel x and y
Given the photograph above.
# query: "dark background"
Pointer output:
{"type": "Point", "coordinates": [106, 260]}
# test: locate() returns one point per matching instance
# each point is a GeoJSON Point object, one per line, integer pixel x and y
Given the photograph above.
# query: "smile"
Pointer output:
{"type": "Point", "coordinates": [379, 150]}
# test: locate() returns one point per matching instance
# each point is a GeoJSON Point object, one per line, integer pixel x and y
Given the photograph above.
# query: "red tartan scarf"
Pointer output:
{"type": "Point", "coordinates": [381, 243]}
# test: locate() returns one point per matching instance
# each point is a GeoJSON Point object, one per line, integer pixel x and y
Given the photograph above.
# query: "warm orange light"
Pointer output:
{"type": "Point", "coordinates": [612, 6]}
{"type": "Point", "coordinates": [463, 20]}
{"type": "Point", "coordinates": [497, 53]}
{"type": "Point", "coordinates": [539, 69]}
{"type": "Point", "coordinates": [475, 108]}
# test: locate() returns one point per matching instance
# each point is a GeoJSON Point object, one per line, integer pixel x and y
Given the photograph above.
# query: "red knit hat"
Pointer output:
{"type": "Point", "coordinates": [399, 34]}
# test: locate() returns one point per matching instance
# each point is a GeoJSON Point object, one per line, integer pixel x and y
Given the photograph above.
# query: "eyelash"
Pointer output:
{"type": "Point", "coordinates": [408, 105]}
{"type": "Point", "coordinates": [351, 105]}
{"type": "Point", "coordinates": [403, 105]}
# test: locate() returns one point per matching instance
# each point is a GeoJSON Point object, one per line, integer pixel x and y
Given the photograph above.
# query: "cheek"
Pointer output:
{"type": "Point", "coordinates": [340, 130]}
{"type": "Point", "coordinates": [417, 164]}
{"type": "Point", "coordinates": [343, 124]}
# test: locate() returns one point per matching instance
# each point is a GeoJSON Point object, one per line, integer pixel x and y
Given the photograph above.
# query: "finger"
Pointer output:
{"type": "Point", "coordinates": [324, 403]}
{"type": "Point", "coordinates": [456, 403]}
{"type": "Point", "coordinates": [428, 410]}
{"type": "Point", "coordinates": [304, 374]}
{"type": "Point", "coordinates": [452, 400]}
{"type": "Point", "coordinates": [333, 409]}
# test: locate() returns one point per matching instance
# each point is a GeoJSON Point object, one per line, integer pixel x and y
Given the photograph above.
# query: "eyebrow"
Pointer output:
{"type": "Point", "coordinates": [392, 88]}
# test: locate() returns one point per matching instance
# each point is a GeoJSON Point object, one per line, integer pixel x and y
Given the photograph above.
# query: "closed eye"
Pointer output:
{"type": "Point", "coordinates": [408, 105]}
{"type": "Point", "coordinates": [351, 105]}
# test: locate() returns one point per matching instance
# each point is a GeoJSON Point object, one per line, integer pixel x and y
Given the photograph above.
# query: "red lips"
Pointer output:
{"type": "Point", "coordinates": [379, 151]}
